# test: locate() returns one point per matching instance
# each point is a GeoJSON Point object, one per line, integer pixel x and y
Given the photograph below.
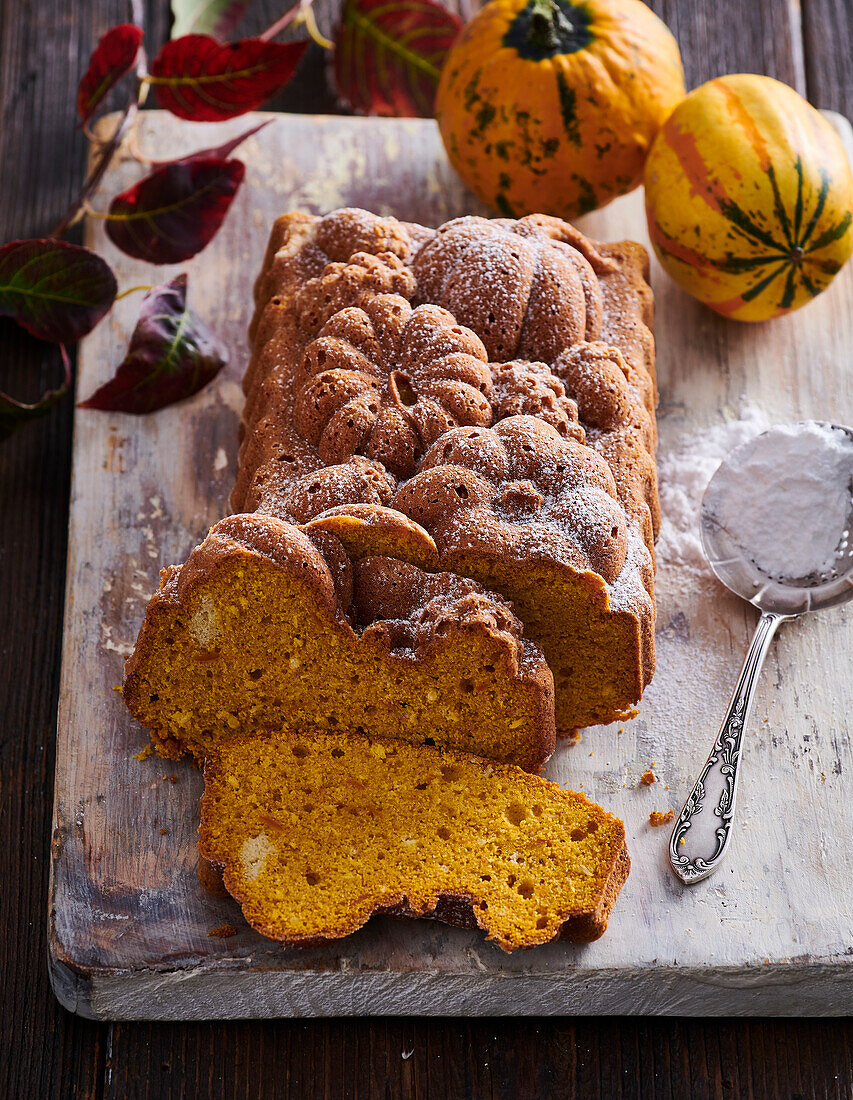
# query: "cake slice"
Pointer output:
{"type": "Point", "coordinates": [316, 832]}
{"type": "Point", "coordinates": [270, 624]}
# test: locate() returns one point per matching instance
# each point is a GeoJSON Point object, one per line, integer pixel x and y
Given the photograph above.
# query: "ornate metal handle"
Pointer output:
{"type": "Point", "coordinates": [721, 768]}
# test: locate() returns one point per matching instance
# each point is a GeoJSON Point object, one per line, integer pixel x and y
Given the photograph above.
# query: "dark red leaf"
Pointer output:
{"type": "Point", "coordinates": [14, 414]}
{"type": "Point", "coordinates": [221, 152]}
{"type": "Point", "coordinates": [216, 17]}
{"type": "Point", "coordinates": [172, 355]}
{"type": "Point", "coordinates": [198, 78]}
{"type": "Point", "coordinates": [388, 56]}
{"type": "Point", "coordinates": [114, 55]}
{"type": "Point", "coordinates": [173, 213]}
{"type": "Point", "coordinates": [55, 290]}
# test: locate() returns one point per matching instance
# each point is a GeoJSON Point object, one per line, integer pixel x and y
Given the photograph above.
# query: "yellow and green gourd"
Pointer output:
{"type": "Point", "coordinates": [550, 106]}
{"type": "Point", "coordinates": [749, 198]}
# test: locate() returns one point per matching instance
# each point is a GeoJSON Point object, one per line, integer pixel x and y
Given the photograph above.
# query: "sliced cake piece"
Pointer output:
{"type": "Point", "coordinates": [268, 624]}
{"type": "Point", "coordinates": [316, 832]}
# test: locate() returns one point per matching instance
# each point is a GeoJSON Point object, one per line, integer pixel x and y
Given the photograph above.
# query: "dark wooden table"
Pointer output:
{"type": "Point", "coordinates": [44, 1051]}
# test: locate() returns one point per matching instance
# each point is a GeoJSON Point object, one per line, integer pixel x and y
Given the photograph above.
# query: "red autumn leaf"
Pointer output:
{"type": "Point", "coordinates": [221, 152]}
{"type": "Point", "coordinates": [14, 414]}
{"type": "Point", "coordinates": [198, 78]}
{"type": "Point", "coordinates": [115, 55]}
{"type": "Point", "coordinates": [173, 213]}
{"type": "Point", "coordinates": [388, 57]}
{"type": "Point", "coordinates": [55, 290]}
{"type": "Point", "coordinates": [216, 17]}
{"type": "Point", "coordinates": [172, 355]}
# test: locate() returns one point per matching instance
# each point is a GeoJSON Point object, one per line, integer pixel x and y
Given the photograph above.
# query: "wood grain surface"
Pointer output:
{"type": "Point", "coordinates": [50, 1053]}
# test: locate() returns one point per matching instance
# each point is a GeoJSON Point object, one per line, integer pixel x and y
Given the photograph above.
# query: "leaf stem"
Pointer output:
{"type": "Point", "coordinates": [90, 212]}
{"type": "Point", "coordinates": [102, 162]}
{"type": "Point", "coordinates": [14, 413]}
{"type": "Point", "coordinates": [279, 25]}
{"type": "Point", "coordinates": [309, 19]}
{"type": "Point", "coordinates": [300, 13]}
{"type": "Point", "coordinates": [104, 156]}
{"type": "Point", "coordinates": [132, 290]}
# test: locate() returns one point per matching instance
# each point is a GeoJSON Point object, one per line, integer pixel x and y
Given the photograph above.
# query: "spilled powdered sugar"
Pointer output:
{"type": "Point", "coordinates": [686, 462]}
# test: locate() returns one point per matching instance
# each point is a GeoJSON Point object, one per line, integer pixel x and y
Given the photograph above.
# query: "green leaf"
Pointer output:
{"type": "Point", "coordinates": [172, 355]}
{"type": "Point", "coordinates": [55, 290]}
{"type": "Point", "coordinates": [215, 17]}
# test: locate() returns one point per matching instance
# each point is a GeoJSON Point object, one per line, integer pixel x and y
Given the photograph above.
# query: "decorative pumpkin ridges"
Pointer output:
{"type": "Point", "coordinates": [749, 198]}
{"type": "Point", "coordinates": [551, 105]}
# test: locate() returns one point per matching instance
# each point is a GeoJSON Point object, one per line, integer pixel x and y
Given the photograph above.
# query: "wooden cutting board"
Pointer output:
{"type": "Point", "coordinates": [130, 929]}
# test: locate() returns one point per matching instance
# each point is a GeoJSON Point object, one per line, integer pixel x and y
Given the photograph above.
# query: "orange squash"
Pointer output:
{"type": "Point", "coordinates": [749, 198]}
{"type": "Point", "coordinates": [550, 106]}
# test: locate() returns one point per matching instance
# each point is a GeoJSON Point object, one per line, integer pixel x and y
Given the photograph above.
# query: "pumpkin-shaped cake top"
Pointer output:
{"type": "Point", "coordinates": [399, 606]}
{"type": "Point", "coordinates": [428, 435]}
{"type": "Point", "coordinates": [341, 233]}
{"type": "Point", "coordinates": [520, 488]}
{"type": "Point", "coordinates": [384, 380]}
{"type": "Point", "coordinates": [342, 283]}
{"type": "Point", "coordinates": [528, 288]}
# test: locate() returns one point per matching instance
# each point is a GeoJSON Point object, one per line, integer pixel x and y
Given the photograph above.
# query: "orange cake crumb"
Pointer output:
{"type": "Point", "coordinates": [657, 818]}
{"type": "Point", "coordinates": [648, 778]}
{"type": "Point", "coordinates": [223, 931]}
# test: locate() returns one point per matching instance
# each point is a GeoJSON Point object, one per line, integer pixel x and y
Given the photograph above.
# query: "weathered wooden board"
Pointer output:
{"type": "Point", "coordinates": [772, 933]}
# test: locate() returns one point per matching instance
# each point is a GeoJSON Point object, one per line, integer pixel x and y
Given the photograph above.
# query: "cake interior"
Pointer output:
{"type": "Point", "coordinates": [316, 832]}
{"type": "Point", "coordinates": [596, 654]}
{"type": "Point", "coordinates": [252, 649]}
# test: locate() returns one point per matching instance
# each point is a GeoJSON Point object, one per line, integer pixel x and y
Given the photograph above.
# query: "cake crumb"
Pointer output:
{"type": "Point", "coordinates": [656, 818]}
{"type": "Point", "coordinates": [144, 754]}
{"type": "Point", "coordinates": [648, 777]}
{"type": "Point", "coordinates": [172, 778]}
{"type": "Point", "coordinates": [223, 931]}
{"type": "Point", "coordinates": [164, 832]}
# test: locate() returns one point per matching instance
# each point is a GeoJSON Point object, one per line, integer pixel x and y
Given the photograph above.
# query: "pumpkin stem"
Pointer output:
{"type": "Point", "coordinates": [546, 19]}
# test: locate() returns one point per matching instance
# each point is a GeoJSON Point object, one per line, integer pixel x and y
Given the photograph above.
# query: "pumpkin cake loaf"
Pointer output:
{"type": "Point", "coordinates": [315, 832]}
{"type": "Point", "coordinates": [477, 399]}
{"type": "Point", "coordinates": [268, 624]}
